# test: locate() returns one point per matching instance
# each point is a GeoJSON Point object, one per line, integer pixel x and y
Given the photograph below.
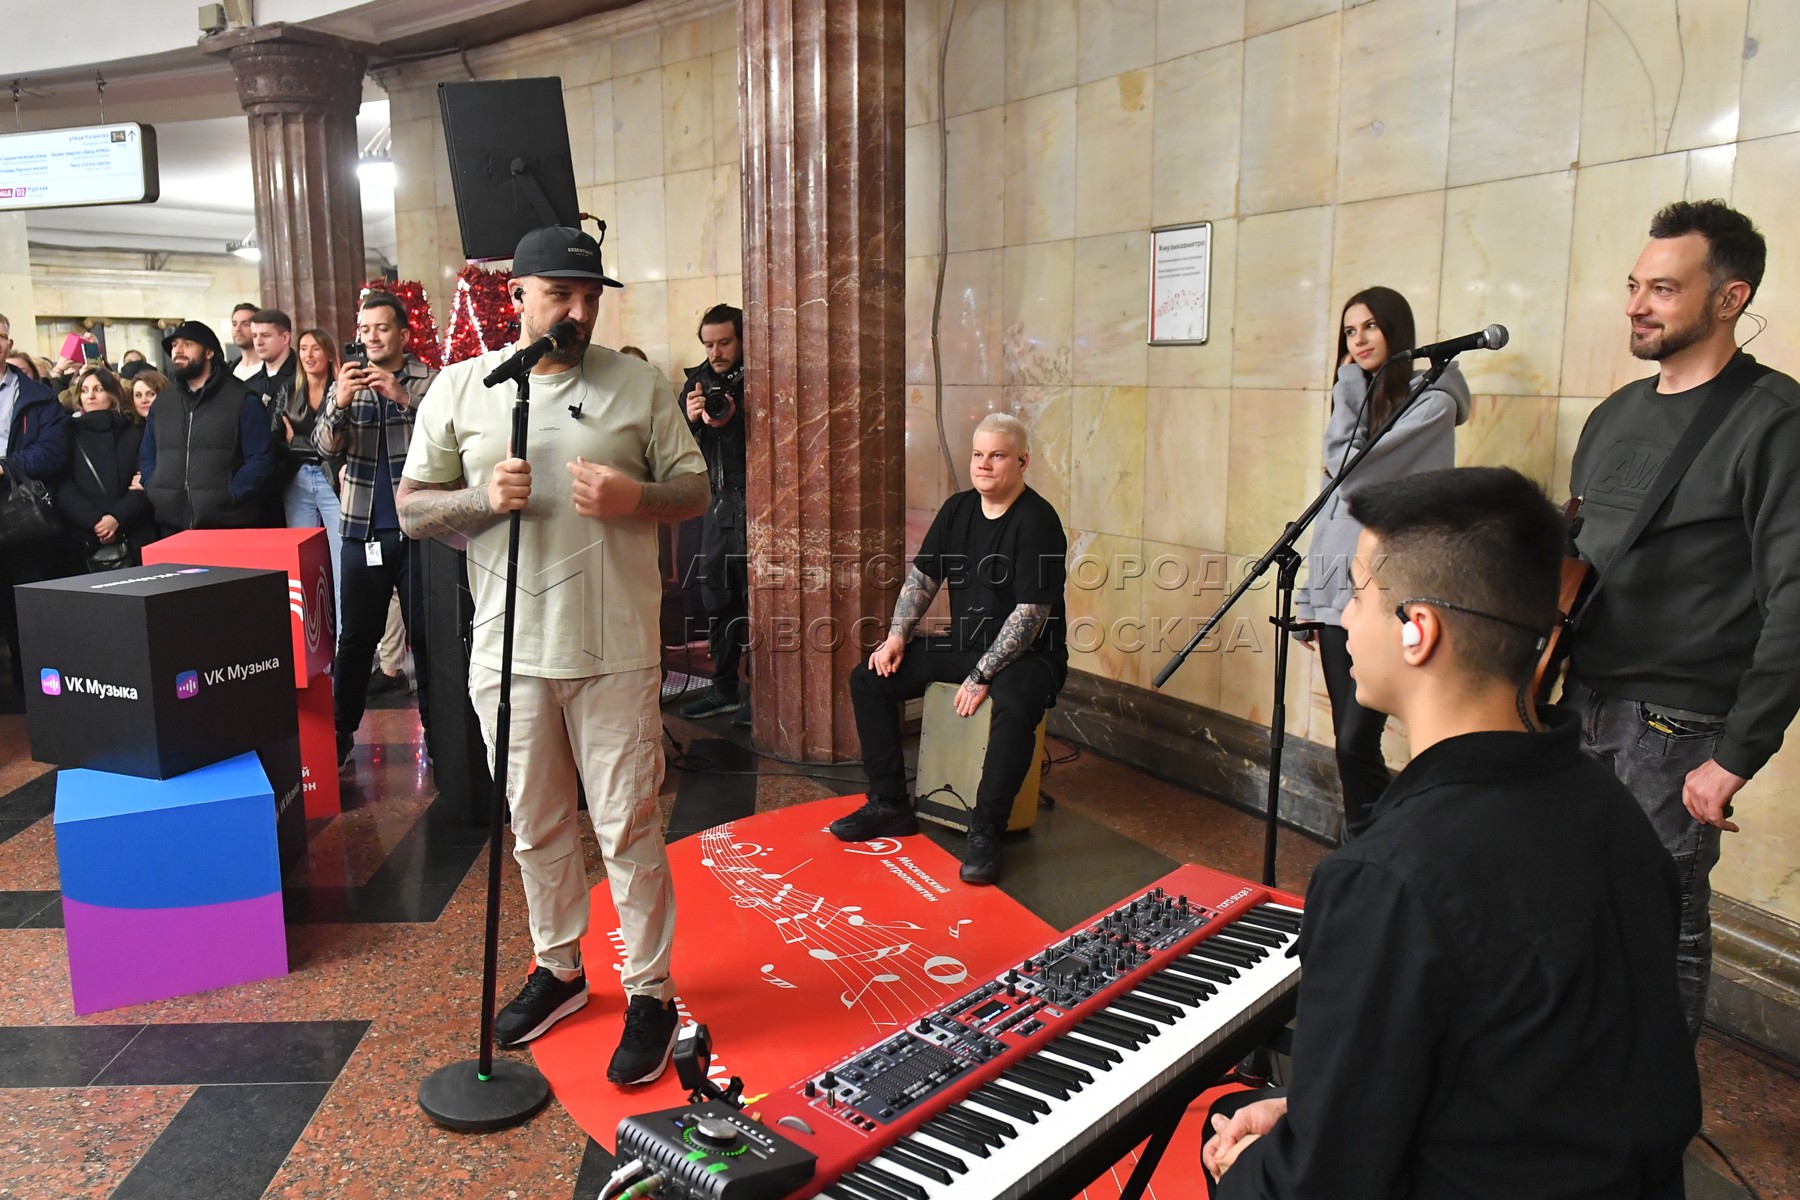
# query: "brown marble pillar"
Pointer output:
{"type": "Point", "coordinates": [301, 91]}
{"type": "Point", "coordinates": [824, 285]}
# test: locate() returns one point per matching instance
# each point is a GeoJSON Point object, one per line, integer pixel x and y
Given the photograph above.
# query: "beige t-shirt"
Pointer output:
{"type": "Point", "coordinates": [589, 591]}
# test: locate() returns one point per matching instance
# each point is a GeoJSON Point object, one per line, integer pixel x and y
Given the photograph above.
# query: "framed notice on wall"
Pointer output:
{"type": "Point", "coordinates": [1180, 281]}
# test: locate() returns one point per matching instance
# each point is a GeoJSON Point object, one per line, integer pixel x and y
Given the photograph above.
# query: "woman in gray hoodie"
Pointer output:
{"type": "Point", "coordinates": [1375, 322]}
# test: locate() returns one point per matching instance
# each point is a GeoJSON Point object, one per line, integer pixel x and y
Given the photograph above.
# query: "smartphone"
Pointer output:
{"type": "Point", "coordinates": [357, 353]}
{"type": "Point", "coordinates": [90, 352]}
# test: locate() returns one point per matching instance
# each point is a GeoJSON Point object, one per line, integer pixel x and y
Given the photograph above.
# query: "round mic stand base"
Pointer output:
{"type": "Point", "coordinates": [458, 1098]}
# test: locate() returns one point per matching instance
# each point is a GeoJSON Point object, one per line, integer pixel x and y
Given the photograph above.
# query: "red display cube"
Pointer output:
{"type": "Point", "coordinates": [306, 557]}
{"type": "Point", "coordinates": [318, 750]}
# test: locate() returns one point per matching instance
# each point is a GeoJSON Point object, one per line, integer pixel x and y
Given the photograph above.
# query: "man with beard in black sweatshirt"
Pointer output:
{"type": "Point", "coordinates": [1683, 665]}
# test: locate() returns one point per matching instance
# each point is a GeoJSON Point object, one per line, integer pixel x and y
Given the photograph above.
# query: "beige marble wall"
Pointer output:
{"type": "Point", "coordinates": [113, 285]}
{"type": "Point", "coordinates": [650, 96]}
{"type": "Point", "coordinates": [1496, 160]}
{"type": "Point", "coordinates": [17, 302]}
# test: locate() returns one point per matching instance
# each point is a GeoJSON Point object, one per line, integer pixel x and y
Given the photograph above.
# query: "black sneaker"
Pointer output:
{"type": "Point", "coordinates": [877, 818]}
{"type": "Point", "coordinates": [712, 703]}
{"type": "Point", "coordinates": [981, 857]}
{"type": "Point", "coordinates": [649, 1039]}
{"type": "Point", "coordinates": [541, 1003]}
{"type": "Point", "coordinates": [380, 681]}
{"type": "Point", "coordinates": [346, 746]}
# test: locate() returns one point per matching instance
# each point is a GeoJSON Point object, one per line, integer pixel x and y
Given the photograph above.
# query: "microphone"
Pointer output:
{"type": "Point", "coordinates": [1491, 338]}
{"type": "Point", "coordinates": [560, 335]}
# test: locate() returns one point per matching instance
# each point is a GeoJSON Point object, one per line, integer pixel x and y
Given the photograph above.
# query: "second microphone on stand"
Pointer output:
{"type": "Point", "coordinates": [1491, 338]}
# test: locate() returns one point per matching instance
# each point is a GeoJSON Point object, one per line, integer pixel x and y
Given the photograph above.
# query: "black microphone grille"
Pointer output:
{"type": "Point", "coordinates": [1495, 336]}
{"type": "Point", "coordinates": [564, 332]}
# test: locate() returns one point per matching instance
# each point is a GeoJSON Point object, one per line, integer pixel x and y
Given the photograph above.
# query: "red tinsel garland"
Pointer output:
{"type": "Point", "coordinates": [481, 316]}
{"type": "Point", "coordinates": [421, 334]}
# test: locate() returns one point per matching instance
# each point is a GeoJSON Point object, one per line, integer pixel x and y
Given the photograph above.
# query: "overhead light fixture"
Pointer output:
{"type": "Point", "coordinates": [246, 249]}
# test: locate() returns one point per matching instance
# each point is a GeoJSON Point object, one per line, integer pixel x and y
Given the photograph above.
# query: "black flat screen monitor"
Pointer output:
{"type": "Point", "coordinates": [509, 161]}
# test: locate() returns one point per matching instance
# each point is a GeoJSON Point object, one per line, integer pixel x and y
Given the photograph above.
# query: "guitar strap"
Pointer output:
{"type": "Point", "coordinates": [1739, 376]}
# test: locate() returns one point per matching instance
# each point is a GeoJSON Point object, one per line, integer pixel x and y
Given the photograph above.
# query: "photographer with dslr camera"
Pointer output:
{"type": "Point", "coordinates": [713, 400]}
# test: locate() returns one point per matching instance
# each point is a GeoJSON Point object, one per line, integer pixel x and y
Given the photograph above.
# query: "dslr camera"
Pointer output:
{"type": "Point", "coordinates": [719, 392]}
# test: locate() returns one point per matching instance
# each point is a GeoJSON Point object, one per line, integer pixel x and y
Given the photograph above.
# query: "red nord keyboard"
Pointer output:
{"type": "Point", "coordinates": [1013, 1088]}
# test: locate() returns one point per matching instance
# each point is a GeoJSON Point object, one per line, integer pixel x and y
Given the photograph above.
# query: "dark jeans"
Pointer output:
{"type": "Point", "coordinates": [1654, 765]}
{"type": "Point", "coordinates": [1362, 770]}
{"type": "Point", "coordinates": [1019, 695]}
{"type": "Point", "coordinates": [364, 592]}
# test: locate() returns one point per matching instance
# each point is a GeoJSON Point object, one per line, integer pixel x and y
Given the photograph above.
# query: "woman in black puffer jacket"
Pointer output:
{"type": "Point", "coordinates": [95, 497]}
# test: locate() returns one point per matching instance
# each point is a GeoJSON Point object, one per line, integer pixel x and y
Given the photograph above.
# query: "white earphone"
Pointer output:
{"type": "Point", "coordinates": [1410, 635]}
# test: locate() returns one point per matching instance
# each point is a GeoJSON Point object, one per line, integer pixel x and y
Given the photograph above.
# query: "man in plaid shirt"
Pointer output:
{"type": "Point", "coordinates": [367, 416]}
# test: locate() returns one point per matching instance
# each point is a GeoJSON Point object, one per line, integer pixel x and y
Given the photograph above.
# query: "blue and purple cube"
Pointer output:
{"type": "Point", "coordinates": [169, 886]}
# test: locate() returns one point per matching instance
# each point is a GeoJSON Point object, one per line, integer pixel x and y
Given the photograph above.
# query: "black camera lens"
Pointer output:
{"type": "Point", "coordinates": [717, 403]}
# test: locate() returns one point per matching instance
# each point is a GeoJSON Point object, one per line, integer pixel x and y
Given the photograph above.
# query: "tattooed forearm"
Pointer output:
{"type": "Point", "coordinates": [915, 598]}
{"type": "Point", "coordinates": [448, 512]}
{"type": "Point", "coordinates": [1021, 626]}
{"type": "Point", "coordinates": [675, 499]}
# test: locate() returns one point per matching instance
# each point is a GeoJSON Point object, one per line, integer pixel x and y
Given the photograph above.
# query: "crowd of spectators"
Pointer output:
{"type": "Point", "coordinates": [213, 437]}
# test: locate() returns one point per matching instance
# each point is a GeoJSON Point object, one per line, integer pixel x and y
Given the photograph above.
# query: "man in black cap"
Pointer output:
{"type": "Point", "coordinates": [367, 419]}
{"type": "Point", "coordinates": [206, 456]}
{"type": "Point", "coordinates": [614, 458]}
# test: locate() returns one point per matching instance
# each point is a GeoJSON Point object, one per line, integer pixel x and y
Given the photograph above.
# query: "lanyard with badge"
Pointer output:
{"type": "Point", "coordinates": [372, 547]}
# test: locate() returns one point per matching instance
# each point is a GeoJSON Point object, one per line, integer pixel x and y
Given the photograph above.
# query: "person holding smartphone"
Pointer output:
{"type": "Point", "coordinates": [1375, 322]}
{"type": "Point", "coordinates": [367, 419]}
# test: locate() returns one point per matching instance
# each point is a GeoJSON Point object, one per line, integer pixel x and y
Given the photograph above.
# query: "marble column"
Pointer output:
{"type": "Point", "coordinates": [301, 91]}
{"type": "Point", "coordinates": [824, 286]}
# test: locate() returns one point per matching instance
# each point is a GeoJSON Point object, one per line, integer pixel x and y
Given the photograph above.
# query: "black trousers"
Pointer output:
{"type": "Point", "coordinates": [725, 584]}
{"type": "Point", "coordinates": [727, 636]}
{"type": "Point", "coordinates": [362, 616]}
{"type": "Point", "coordinates": [33, 562]}
{"type": "Point", "coordinates": [1362, 770]}
{"type": "Point", "coordinates": [1019, 695]}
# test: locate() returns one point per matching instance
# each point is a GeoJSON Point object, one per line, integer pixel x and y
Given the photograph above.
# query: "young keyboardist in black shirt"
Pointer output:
{"type": "Point", "coordinates": [1488, 1004]}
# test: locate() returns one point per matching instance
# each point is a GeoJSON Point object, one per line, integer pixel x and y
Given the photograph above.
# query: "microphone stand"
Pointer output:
{"type": "Point", "coordinates": [482, 1095]}
{"type": "Point", "coordinates": [1282, 555]}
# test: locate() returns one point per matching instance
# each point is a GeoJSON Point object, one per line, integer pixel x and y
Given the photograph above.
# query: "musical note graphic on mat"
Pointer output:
{"type": "Point", "coordinates": [882, 972]}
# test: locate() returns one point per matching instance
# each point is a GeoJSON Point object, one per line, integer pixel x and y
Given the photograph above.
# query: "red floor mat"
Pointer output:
{"type": "Point", "coordinates": [794, 948]}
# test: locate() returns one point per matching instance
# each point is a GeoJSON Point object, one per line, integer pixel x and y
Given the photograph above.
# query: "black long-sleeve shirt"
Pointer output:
{"type": "Point", "coordinates": [1703, 613]}
{"type": "Point", "coordinates": [1488, 1004]}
